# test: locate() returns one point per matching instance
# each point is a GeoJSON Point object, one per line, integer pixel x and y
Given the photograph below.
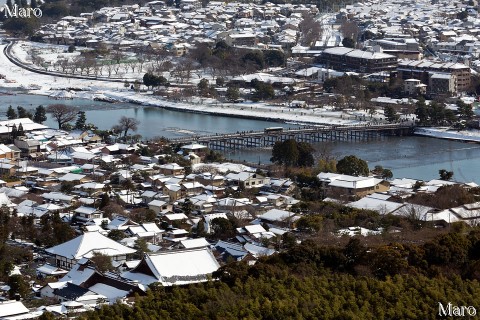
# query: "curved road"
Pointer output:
{"type": "Point", "coordinates": [8, 53]}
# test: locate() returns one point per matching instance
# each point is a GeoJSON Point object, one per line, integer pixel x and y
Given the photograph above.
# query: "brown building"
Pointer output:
{"type": "Point", "coordinates": [347, 59]}
{"type": "Point", "coordinates": [422, 69]}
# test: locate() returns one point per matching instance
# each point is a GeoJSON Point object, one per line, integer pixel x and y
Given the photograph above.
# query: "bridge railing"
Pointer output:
{"type": "Point", "coordinates": [292, 131]}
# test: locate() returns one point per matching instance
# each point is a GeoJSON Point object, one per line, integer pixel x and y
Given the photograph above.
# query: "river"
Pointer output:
{"type": "Point", "coordinates": [407, 157]}
{"type": "Point", "coordinates": [413, 157]}
{"type": "Point", "coordinates": [154, 122]}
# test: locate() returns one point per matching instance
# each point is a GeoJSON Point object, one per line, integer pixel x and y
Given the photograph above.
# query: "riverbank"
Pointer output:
{"type": "Point", "coordinates": [21, 75]}
{"type": "Point", "coordinates": [447, 133]}
{"type": "Point", "coordinates": [49, 85]}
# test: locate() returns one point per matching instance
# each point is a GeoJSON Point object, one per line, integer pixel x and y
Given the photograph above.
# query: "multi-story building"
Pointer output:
{"type": "Point", "coordinates": [442, 83]}
{"type": "Point", "coordinates": [347, 59]}
{"type": "Point", "coordinates": [413, 86]}
{"type": "Point", "coordinates": [422, 69]}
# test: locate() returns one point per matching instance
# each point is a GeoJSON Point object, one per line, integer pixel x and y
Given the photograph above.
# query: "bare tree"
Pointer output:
{"type": "Point", "coordinates": [37, 60]}
{"type": "Point", "coordinates": [118, 56]}
{"type": "Point", "coordinates": [97, 68]}
{"type": "Point", "coordinates": [350, 29]}
{"type": "Point", "coordinates": [63, 64]}
{"type": "Point", "coordinates": [163, 67]}
{"type": "Point", "coordinates": [184, 70]}
{"type": "Point", "coordinates": [116, 67]}
{"type": "Point", "coordinates": [62, 113]}
{"type": "Point", "coordinates": [132, 64]}
{"type": "Point", "coordinates": [79, 63]}
{"type": "Point", "coordinates": [89, 64]}
{"type": "Point", "coordinates": [214, 63]}
{"type": "Point", "coordinates": [141, 62]}
{"type": "Point", "coordinates": [109, 69]}
{"type": "Point", "coordinates": [160, 56]}
{"type": "Point", "coordinates": [310, 30]}
{"type": "Point", "coordinates": [416, 214]}
{"type": "Point", "coordinates": [126, 124]}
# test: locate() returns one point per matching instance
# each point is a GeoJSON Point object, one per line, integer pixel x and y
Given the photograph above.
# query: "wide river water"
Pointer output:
{"type": "Point", "coordinates": [413, 157]}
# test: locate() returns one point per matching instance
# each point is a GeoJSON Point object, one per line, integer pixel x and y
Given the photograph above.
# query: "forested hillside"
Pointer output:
{"type": "Point", "coordinates": [311, 281]}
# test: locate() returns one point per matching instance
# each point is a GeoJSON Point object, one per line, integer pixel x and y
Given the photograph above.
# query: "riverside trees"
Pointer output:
{"type": "Point", "coordinates": [126, 124]}
{"type": "Point", "coordinates": [62, 113]}
{"type": "Point", "coordinates": [293, 153]}
{"type": "Point", "coordinates": [353, 166]}
{"type": "Point", "coordinates": [151, 80]}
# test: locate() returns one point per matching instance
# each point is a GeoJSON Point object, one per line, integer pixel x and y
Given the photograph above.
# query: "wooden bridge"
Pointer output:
{"type": "Point", "coordinates": [267, 138]}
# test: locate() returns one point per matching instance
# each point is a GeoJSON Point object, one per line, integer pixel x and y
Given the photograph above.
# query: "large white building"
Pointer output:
{"type": "Point", "coordinates": [85, 246]}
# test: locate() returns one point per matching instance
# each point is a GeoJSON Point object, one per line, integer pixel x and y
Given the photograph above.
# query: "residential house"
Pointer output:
{"type": "Point", "coordinates": [341, 186]}
{"type": "Point", "coordinates": [175, 267]}
{"type": "Point", "coordinates": [121, 223]}
{"type": "Point", "coordinates": [73, 292]}
{"type": "Point", "coordinates": [247, 179]}
{"type": "Point", "coordinates": [28, 147]}
{"type": "Point", "coordinates": [157, 206]}
{"type": "Point", "coordinates": [12, 309]}
{"type": "Point", "coordinates": [84, 214]}
{"type": "Point", "coordinates": [279, 217]}
{"type": "Point", "coordinates": [74, 177]}
{"type": "Point", "coordinates": [171, 169]}
{"type": "Point", "coordinates": [85, 245]}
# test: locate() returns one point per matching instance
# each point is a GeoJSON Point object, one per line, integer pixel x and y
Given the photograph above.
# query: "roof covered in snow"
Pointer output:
{"type": "Point", "coordinates": [88, 243]}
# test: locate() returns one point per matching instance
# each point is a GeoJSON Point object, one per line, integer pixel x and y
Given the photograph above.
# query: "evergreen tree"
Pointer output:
{"type": "Point", "coordinates": [348, 43]}
{"type": "Point", "coordinates": [20, 132]}
{"type": "Point", "coordinates": [40, 114]}
{"type": "Point", "coordinates": [274, 58]}
{"type": "Point", "coordinates": [305, 154]}
{"type": "Point", "coordinates": [390, 114]}
{"type": "Point", "coordinates": [11, 114]}
{"type": "Point", "coordinates": [81, 121]}
{"type": "Point", "coordinates": [353, 166]}
{"type": "Point", "coordinates": [293, 153]}
{"type": "Point", "coordinates": [285, 152]}
{"type": "Point", "coordinates": [104, 200]}
{"type": "Point", "coordinates": [23, 113]}
{"type": "Point", "coordinates": [445, 175]}
{"type": "Point", "coordinates": [203, 87]}
{"type": "Point", "coordinates": [9, 4]}
{"type": "Point", "coordinates": [232, 94]}
{"type": "Point", "coordinates": [464, 110]}
{"type": "Point", "coordinates": [33, 4]}
{"type": "Point", "coordinates": [14, 133]}
{"type": "Point", "coordinates": [263, 91]}
{"type": "Point", "coordinates": [421, 111]}
{"type": "Point", "coordinates": [18, 285]}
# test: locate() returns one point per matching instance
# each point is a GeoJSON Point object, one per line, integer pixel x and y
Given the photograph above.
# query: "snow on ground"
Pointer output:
{"type": "Point", "coordinates": [444, 133]}
{"type": "Point", "coordinates": [23, 50]}
{"type": "Point", "coordinates": [21, 78]}
{"type": "Point", "coordinates": [17, 77]}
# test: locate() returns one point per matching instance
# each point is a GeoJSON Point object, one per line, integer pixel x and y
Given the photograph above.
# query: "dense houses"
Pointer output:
{"type": "Point", "coordinates": [171, 218]}
{"type": "Point", "coordinates": [144, 220]}
{"type": "Point", "coordinates": [434, 43]}
{"type": "Point", "coordinates": [156, 26]}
